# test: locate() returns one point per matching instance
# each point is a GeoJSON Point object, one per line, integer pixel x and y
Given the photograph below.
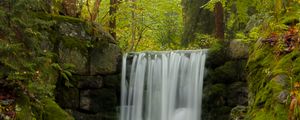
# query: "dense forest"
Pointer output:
{"type": "Point", "coordinates": [46, 46]}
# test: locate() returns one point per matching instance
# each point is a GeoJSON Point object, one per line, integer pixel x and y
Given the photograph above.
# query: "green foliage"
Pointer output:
{"type": "Point", "coordinates": [202, 41]}
{"type": "Point", "coordinates": [270, 75]}
{"type": "Point", "coordinates": [254, 18]}
{"type": "Point", "coordinates": [65, 71]}
{"type": "Point", "coordinates": [26, 64]}
{"type": "Point", "coordinates": [211, 4]}
{"type": "Point", "coordinates": [54, 112]}
{"type": "Point", "coordinates": [47, 109]}
{"type": "Point", "coordinates": [24, 111]}
{"type": "Point", "coordinates": [141, 26]}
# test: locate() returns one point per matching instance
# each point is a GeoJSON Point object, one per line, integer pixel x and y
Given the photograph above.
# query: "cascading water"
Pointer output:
{"type": "Point", "coordinates": [162, 85]}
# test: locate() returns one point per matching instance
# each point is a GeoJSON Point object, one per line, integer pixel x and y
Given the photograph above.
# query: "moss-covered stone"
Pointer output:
{"type": "Point", "coordinates": [23, 109]}
{"type": "Point", "coordinates": [217, 55]}
{"type": "Point", "coordinates": [46, 109]}
{"type": "Point", "coordinates": [229, 72]}
{"type": "Point", "coordinates": [53, 112]}
{"type": "Point", "coordinates": [104, 60]}
{"type": "Point", "coordinates": [238, 49]}
{"type": "Point", "coordinates": [224, 85]}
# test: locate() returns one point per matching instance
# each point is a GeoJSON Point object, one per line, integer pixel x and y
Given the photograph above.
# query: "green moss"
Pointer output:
{"type": "Point", "coordinates": [217, 55]}
{"type": "Point", "coordinates": [227, 73]}
{"type": "Point", "coordinates": [72, 42]}
{"type": "Point", "coordinates": [216, 90]}
{"type": "Point", "coordinates": [277, 112]}
{"type": "Point", "coordinates": [263, 65]}
{"type": "Point", "coordinates": [58, 18]}
{"type": "Point", "coordinates": [46, 110]}
{"type": "Point", "coordinates": [23, 109]}
{"type": "Point", "coordinates": [54, 112]}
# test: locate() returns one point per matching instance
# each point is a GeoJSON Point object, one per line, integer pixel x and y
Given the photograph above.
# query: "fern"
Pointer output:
{"type": "Point", "coordinates": [65, 71]}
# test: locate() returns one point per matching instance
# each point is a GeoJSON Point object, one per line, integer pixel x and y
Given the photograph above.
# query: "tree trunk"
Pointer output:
{"type": "Point", "coordinates": [133, 26]}
{"type": "Point", "coordinates": [196, 20]}
{"type": "Point", "coordinates": [94, 13]}
{"type": "Point", "coordinates": [219, 21]}
{"type": "Point", "coordinates": [70, 7]}
{"type": "Point", "coordinates": [112, 22]}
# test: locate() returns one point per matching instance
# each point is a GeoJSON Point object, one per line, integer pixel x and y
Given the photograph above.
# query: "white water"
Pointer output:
{"type": "Point", "coordinates": [162, 85]}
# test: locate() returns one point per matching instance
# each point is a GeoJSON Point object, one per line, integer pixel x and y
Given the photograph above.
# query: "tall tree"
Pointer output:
{"type": "Point", "coordinates": [133, 25]}
{"type": "Point", "coordinates": [70, 7]}
{"type": "Point", "coordinates": [219, 21]}
{"type": "Point", "coordinates": [196, 20]}
{"type": "Point", "coordinates": [94, 12]}
{"type": "Point", "coordinates": [112, 22]}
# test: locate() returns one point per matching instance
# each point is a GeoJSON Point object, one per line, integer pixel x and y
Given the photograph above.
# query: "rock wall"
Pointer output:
{"type": "Point", "coordinates": [225, 87]}
{"type": "Point", "coordinates": [92, 92]}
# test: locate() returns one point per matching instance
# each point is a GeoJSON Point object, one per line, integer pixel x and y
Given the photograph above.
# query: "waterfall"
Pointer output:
{"type": "Point", "coordinates": [162, 85]}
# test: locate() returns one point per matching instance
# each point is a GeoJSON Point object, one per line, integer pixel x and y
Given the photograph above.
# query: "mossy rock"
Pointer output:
{"type": "Point", "coordinates": [217, 55]}
{"type": "Point", "coordinates": [230, 72]}
{"type": "Point", "coordinates": [23, 109]}
{"type": "Point", "coordinates": [104, 60]}
{"type": "Point", "coordinates": [53, 112]}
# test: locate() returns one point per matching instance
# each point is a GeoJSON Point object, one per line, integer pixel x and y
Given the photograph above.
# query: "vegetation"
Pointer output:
{"type": "Point", "coordinates": [29, 66]}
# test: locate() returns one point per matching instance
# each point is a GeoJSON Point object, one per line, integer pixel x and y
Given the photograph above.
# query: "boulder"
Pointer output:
{"type": "Point", "coordinates": [75, 56]}
{"type": "Point", "coordinates": [104, 60]}
{"type": "Point", "coordinates": [86, 46]}
{"type": "Point", "coordinates": [238, 49]}
{"type": "Point", "coordinates": [75, 30]}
